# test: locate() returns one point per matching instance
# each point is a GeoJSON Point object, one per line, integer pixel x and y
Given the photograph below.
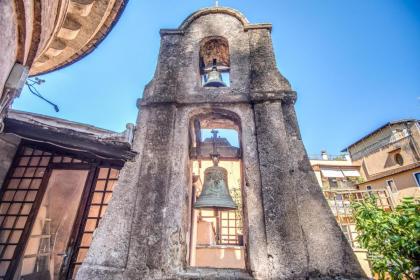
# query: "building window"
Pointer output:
{"type": "Point", "coordinates": [399, 159]}
{"type": "Point", "coordinates": [417, 178]}
{"type": "Point", "coordinates": [50, 204]}
{"type": "Point", "coordinates": [231, 222]}
{"type": "Point", "coordinates": [102, 193]}
{"type": "Point", "coordinates": [21, 198]}
{"type": "Point", "coordinates": [333, 183]}
{"type": "Point", "coordinates": [369, 188]}
{"type": "Point", "coordinates": [391, 185]}
{"type": "Point", "coordinates": [17, 202]}
{"type": "Point", "coordinates": [351, 234]}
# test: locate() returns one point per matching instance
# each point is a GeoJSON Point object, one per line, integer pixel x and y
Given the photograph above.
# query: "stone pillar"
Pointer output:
{"type": "Point", "coordinates": [148, 241]}
{"type": "Point", "coordinates": [286, 250]}
{"type": "Point", "coordinates": [146, 216]}
{"type": "Point", "coordinates": [108, 254]}
{"type": "Point", "coordinates": [303, 238]}
{"type": "Point", "coordinates": [329, 253]}
{"type": "Point", "coordinates": [254, 213]}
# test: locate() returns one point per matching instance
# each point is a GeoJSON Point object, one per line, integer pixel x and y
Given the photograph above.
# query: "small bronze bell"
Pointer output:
{"type": "Point", "coordinates": [215, 193]}
{"type": "Point", "coordinates": [214, 77]}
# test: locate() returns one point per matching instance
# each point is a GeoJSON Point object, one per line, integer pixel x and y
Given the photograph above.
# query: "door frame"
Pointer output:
{"type": "Point", "coordinates": [81, 209]}
{"type": "Point", "coordinates": [20, 248]}
{"type": "Point", "coordinates": [86, 161]}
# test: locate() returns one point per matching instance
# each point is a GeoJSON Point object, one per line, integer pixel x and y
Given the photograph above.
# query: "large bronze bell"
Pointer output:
{"type": "Point", "coordinates": [215, 193]}
{"type": "Point", "coordinates": [214, 78]}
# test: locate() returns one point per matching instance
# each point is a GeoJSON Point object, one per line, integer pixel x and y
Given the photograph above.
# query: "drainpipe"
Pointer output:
{"type": "Point", "coordinates": [12, 89]}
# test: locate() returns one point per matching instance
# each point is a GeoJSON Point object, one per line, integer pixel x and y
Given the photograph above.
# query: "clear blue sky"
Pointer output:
{"type": "Point", "coordinates": [355, 64]}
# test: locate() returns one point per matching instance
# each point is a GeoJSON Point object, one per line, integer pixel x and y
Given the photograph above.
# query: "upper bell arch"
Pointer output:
{"type": "Point", "coordinates": [214, 10]}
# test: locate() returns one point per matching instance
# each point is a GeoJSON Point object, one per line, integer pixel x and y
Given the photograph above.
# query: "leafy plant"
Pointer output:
{"type": "Point", "coordinates": [392, 238]}
{"type": "Point", "coordinates": [356, 180]}
{"type": "Point", "coordinates": [340, 157]}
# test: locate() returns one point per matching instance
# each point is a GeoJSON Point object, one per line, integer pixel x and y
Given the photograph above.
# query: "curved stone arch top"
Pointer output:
{"type": "Point", "coordinates": [212, 25]}
{"type": "Point", "coordinates": [249, 48]}
{"type": "Point", "coordinates": [217, 118]}
{"type": "Point", "coordinates": [214, 10]}
{"type": "Point", "coordinates": [223, 10]}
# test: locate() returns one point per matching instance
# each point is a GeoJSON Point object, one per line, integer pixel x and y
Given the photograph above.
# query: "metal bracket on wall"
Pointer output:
{"type": "Point", "coordinates": [12, 89]}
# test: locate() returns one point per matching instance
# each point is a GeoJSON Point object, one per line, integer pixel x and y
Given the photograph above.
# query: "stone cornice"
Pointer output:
{"type": "Point", "coordinates": [286, 97]}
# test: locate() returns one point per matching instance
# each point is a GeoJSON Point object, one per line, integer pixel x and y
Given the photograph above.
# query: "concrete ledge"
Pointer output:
{"type": "Point", "coordinates": [214, 273]}
{"type": "Point", "coordinates": [225, 97]}
{"type": "Point", "coordinates": [99, 272]}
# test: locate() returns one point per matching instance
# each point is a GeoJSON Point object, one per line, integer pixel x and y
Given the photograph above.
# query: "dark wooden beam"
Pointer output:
{"type": "Point", "coordinates": [66, 138]}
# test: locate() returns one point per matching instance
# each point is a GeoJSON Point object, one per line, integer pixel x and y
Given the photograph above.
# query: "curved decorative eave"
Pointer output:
{"type": "Point", "coordinates": [215, 10]}
{"type": "Point", "coordinates": [85, 25]}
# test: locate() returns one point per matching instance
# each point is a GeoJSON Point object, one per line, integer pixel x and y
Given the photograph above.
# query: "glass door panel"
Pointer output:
{"type": "Point", "coordinates": [103, 188]}
{"type": "Point", "coordinates": [46, 248]}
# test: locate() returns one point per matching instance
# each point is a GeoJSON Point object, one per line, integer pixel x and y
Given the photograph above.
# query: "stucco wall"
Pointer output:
{"type": "Point", "coordinates": [384, 159]}
{"type": "Point", "coordinates": [221, 257]}
{"type": "Point", "coordinates": [363, 260]}
{"type": "Point", "coordinates": [8, 41]}
{"type": "Point", "coordinates": [404, 181]}
{"type": "Point", "coordinates": [8, 146]}
{"type": "Point", "coordinates": [375, 137]}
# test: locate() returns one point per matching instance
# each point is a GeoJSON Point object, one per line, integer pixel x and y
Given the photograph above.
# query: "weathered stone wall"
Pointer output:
{"type": "Point", "coordinates": [159, 218]}
{"type": "Point", "coordinates": [8, 39]}
{"type": "Point", "coordinates": [290, 231]}
{"type": "Point", "coordinates": [303, 238]}
{"type": "Point", "coordinates": [8, 147]}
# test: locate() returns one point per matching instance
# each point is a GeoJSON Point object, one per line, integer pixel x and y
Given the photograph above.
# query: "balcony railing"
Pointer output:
{"type": "Point", "coordinates": [340, 205]}
{"type": "Point", "coordinates": [338, 185]}
{"type": "Point", "coordinates": [330, 157]}
{"type": "Point", "coordinates": [380, 144]}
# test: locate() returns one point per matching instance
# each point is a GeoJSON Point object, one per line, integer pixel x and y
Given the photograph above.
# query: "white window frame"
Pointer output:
{"type": "Point", "coordinates": [395, 185]}
{"type": "Point", "coordinates": [415, 178]}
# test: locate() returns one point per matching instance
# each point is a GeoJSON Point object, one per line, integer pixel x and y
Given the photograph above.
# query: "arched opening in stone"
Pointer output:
{"type": "Point", "coordinates": [214, 62]}
{"type": "Point", "coordinates": [217, 235]}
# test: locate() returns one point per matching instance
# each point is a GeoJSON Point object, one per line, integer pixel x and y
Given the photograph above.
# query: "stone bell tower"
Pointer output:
{"type": "Point", "coordinates": [217, 69]}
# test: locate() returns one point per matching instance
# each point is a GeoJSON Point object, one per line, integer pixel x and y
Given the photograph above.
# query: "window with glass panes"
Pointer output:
{"type": "Point", "coordinates": [230, 228]}
{"type": "Point", "coordinates": [19, 198]}
{"type": "Point", "coordinates": [417, 178]}
{"type": "Point", "coordinates": [104, 184]}
{"type": "Point", "coordinates": [227, 225]}
{"type": "Point", "coordinates": [23, 191]}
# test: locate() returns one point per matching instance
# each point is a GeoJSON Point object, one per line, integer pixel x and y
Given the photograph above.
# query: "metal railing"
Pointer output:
{"type": "Point", "coordinates": [340, 205]}
{"type": "Point", "coordinates": [380, 144]}
{"type": "Point", "coordinates": [329, 157]}
{"type": "Point", "coordinates": [338, 185]}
